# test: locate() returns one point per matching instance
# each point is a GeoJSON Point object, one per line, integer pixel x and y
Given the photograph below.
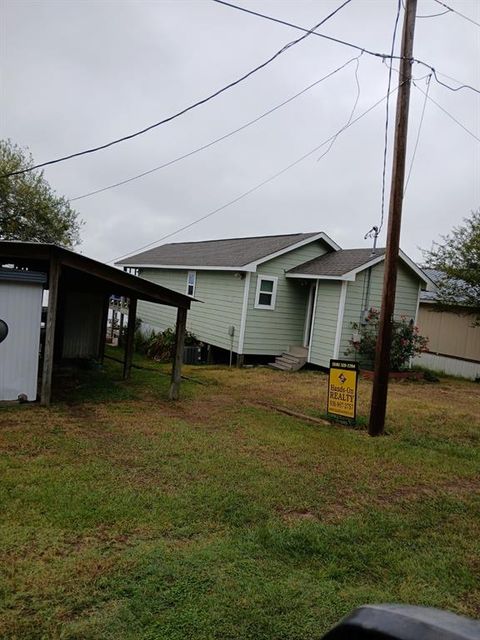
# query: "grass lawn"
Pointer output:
{"type": "Point", "coordinates": [125, 516]}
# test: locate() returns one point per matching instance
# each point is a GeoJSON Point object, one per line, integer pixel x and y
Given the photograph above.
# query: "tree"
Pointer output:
{"type": "Point", "coordinates": [29, 208]}
{"type": "Point", "coordinates": [458, 258]}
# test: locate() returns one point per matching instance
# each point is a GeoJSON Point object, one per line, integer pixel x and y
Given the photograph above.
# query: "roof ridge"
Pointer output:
{"type": "Point", "coordinates": [277, 235]}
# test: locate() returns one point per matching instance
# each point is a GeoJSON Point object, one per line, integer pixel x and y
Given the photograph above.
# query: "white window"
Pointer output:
{"type": "Point", "coordinates": [191, 282]}
{"type": "Point", "coordinates": [266, 292]}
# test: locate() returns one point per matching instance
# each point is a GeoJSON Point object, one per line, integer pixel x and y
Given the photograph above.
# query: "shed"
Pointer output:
{"type": "Point", "coordinates": [79, 289]}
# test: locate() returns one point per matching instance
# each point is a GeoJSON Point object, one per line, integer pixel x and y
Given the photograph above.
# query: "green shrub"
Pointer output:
{"type": "Point", "coordinates": [406, 341]}
{"type": "Point", "coordinates": [161, 345]}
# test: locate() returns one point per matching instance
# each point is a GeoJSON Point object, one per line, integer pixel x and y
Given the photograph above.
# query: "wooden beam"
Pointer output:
{"type": "Point", "coordinates": [49, 346]}
{"type": "Point", "coordinates": [174, 391]}
{"type": "Point", "coordinates": [129, 342]}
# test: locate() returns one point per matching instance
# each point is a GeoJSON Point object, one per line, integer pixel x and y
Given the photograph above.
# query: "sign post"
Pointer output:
{"type": "Point", "coordinates": [342, 390]}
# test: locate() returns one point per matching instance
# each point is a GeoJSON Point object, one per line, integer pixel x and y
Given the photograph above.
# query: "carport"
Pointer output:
{"type": "Point", "coordinates": [79, 289]}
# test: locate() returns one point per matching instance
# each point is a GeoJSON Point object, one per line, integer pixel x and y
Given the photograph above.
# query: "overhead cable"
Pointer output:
{"type": "Point", "coordinates": [447, 113]}
{"type": "Point", "coordinates": [185, 109]}
{"type": "Point", "coordinates": [217, 140]}
{"type": "Point", "coordinates": [352, 113]}
{"type": "Point", "coordinates": [462, 15]}
{"type": "Point", "coordinates": [432, 15]}
{"type": "Point", "coordinates": [418, 135]}
{"type": "Point", "coordinates": [385, 141]}
{"type": "Point", "coordinates": [429, 97]}
{"type": "Point", "coordinates": [378, 54]}
{"type": "Point", "coordinates": [256, 187]}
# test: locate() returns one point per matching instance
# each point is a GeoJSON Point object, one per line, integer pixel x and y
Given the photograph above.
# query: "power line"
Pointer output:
{"type": "Point", "coordinates": [462, 15]}
{"type": "Point", "coordinates": [418, 135]}
{"type": "Point", "coordinates": [435, 15]}
{"type": "Point", "coordinates": [213, 142]}
{"type": "Point", "coordinates": [432, 15]}
{"type": "Point", "coordinates": [256, 187]}
{"type": "Point", "coordinates": [429, 97]}
{"type": "Point", "coordinates": [186, 109]}
{"type": "Point", "coordinates": [357, 98]}
{"type": "Point", "coordinates": [385, 144]}
{"type": "Point", "coordinates": [448, 114]}
{"type": "Point", "coordinates": [377, 54]}
{"type": "Point", "coordinates": [296, 26]}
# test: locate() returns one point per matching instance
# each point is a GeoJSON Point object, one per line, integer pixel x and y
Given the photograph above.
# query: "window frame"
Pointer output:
{"type": "Point", "coordinates": [271, 306]}
{"type": "Point", "coordinates": [194, 285]}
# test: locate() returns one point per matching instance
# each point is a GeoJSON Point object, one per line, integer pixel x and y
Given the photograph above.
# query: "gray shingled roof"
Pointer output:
{"type": "Point", "coordinates": [231, 252]}
{"type": "Point", "coordinates": [431, 295]}
{"type": "Point", "coordinates": [452, 287]}
{"type": "Point", "coordinates": [337, 263]}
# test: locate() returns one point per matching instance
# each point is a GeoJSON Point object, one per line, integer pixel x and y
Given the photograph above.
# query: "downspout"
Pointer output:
{"type": "Point", "coordinates": [374, 231]}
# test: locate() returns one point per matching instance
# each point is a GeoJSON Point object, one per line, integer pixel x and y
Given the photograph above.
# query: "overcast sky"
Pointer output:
{"type": "Point", "coordinates": [77, 74]}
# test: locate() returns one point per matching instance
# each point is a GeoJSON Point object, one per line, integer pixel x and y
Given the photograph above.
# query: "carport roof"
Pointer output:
{"type": "Point", "coordinates": [88, 273]}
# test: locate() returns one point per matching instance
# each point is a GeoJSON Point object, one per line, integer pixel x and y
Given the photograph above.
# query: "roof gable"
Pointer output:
{"type": "Point", "coordinates": [346, 263]}
{"type": "Point", "coordinates": [225, 254]}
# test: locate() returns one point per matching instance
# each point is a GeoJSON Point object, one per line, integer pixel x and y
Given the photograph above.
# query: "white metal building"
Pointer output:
{"type": "Point", "coordinates": [20, 318]}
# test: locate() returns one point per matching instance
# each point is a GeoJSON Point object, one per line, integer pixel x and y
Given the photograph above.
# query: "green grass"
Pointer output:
{"type": "Point", "coordinates": [126, 516]}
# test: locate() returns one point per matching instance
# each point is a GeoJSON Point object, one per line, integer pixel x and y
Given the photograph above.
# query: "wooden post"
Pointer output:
{"type": "Point", "coordinates": [129, 342]}
{"type": "Point", "coordinates": [120, 330]}
{"type": "Point", "coordinates": [382, 357]}
{"type": "Point", "coordinates": [174, 391]}
{"type": "Point", "coordinates": [103, 329]}
{"type": "Point", "coordinates": [49, 346]}
{"type": "Point", "coordinates": [112, 328]}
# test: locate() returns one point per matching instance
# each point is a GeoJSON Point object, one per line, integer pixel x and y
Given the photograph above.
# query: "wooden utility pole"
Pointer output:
{"type": "Point", "coordinates": [382, 357]}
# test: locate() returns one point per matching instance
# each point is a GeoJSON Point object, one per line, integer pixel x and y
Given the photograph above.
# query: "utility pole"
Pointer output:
{"type": "Point", "coordinates": [382, 357]}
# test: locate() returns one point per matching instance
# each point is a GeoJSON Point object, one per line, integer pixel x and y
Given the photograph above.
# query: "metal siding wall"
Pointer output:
{"type": "Point", "coordinates": [449, 333]}
{"type": "Point", "coordinates": [449, 366]}
{"type": "Point", "coordinates": [82, 324]}
{"type": "Point", "coordinates": [20, 308]}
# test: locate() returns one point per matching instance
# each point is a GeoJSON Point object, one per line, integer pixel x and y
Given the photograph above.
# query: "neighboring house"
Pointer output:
{"type": "Point", "coordinates": [454, 340]}
{"type": "Point", "coordinates": [297, 293]}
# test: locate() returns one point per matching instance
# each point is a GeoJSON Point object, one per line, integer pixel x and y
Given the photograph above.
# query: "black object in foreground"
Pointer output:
{"type": "Point", "coordinates": [401, 622]}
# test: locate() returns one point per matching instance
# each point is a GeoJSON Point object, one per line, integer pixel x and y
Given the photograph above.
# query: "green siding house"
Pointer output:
{"type": "Point", "coordinates": [292, 297]}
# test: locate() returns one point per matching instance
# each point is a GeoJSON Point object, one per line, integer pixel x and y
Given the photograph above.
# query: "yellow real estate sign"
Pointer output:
{"type": "Point", "coordinates": [342, 389]}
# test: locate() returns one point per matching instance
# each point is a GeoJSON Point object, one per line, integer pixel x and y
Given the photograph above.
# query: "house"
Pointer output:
{"type": "Point", "coordinates": [291, 297]}
{"type": "Point", "coordinates": [79, 290]}
{"type": "Point", "coordinates": [452, 332]}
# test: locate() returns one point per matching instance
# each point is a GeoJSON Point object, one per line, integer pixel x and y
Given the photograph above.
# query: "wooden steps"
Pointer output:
{"type": "Point", "coordinates": [293, 360]}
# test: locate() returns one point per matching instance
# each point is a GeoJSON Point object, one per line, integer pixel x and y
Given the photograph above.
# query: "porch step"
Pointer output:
{"type": "Point", "coordinates": [290, 361]}
{"type": "Point", "coordinates": [280, 366]}
{"type": "Point", "coordinates": [301, 352]}
{"type": "Point", "coordinates": [287, 357]}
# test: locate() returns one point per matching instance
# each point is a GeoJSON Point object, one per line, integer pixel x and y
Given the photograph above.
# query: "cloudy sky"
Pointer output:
{"type": "Point", "coordinates": [76, 74]}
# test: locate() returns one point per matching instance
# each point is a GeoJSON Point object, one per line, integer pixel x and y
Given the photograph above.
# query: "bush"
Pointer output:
{"type": "Point", "coordinates": [161, 345]}
{"type": "Point", "coordinates": [406, 341]}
